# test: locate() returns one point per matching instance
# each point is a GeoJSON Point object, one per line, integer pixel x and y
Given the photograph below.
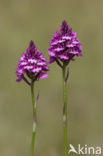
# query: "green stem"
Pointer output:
{"type": "Point", "coordinates": [34, 119]}
{"type": "Point", "coordinates": [65, 111]}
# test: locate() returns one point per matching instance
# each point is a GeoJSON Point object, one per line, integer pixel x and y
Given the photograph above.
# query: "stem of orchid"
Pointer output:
{"type": "Point", "coordinates": [65, 111]}
{"type": "Point", "coordinates": [34, 119]}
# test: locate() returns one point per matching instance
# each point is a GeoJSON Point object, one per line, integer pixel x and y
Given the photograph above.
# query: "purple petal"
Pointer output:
{"type": "Point", "coordinates": [51, 53]}
{"type": "Point", "coordinates": [66, 37]}
{"type": "Point", "coordinates": [63, 57]}
{"type": "Point", "coordinates": [59, 49]}
{"type": "Point", "coordinates": [36, 70]}
{"type": "Point", "coordinates": [52, 59]}
{"type": "Point", "coordinates": [80, 54]}
{"type": "Point", "coordinates": [74, 52]}
{"type": "Point", "coordinates": [43, 75]}
{"type": "Point", "coordinates": [28, 67]}
{"type": "Point", "coordinates": [41, 63]}
{"type": "Point", "coordinates": [32, 60]}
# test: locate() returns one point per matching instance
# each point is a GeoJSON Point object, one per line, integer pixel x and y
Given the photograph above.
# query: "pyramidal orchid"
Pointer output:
{"type": "Point", "coordinates": [32, 66]}
{"type": "Point", "coordinates": [64, 46]}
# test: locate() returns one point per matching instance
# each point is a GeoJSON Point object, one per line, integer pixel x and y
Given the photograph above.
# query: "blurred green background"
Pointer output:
{"type": "Point", "coordinates": [23, 20]}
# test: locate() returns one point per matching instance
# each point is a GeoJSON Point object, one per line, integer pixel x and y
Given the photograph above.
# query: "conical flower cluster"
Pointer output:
{"type": "Point", "coordinates": [64, 45]}
{"type": "Point", "coordinates": [32, 64]}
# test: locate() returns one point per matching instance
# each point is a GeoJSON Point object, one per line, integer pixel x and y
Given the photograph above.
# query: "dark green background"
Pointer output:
{"type": "Point", "coordinates": [23, 20]}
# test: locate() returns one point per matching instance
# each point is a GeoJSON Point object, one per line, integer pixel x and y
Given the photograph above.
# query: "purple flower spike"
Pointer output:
{"type": "Point", "coordinates": [64, 45]}
{"type": "Point", "coordinates": [32, 64]}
